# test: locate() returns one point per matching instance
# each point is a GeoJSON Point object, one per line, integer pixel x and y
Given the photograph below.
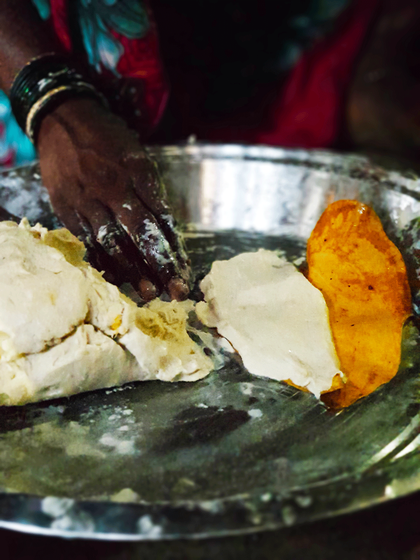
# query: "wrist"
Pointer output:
{"type": "Point", "coordinates": [71, 124]}
{"type": "Point", "coordinates": [84, 125]}
{"type": "Point", "coordinates": [42, 85]}
{"type": "Point", "coordinates": [75, 108]}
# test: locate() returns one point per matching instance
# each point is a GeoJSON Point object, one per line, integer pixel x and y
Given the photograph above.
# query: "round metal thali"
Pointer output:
{"type": "Point", "coordinates": [231, 453]}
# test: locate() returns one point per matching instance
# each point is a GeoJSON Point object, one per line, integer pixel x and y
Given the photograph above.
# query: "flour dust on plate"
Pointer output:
{"type": "Point", "coordinates": [232, 452]}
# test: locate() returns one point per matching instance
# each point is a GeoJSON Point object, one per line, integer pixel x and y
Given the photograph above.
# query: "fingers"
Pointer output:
{"type": "Point", "coordinates": [150, 191]}
{"type": "Point", "coordinates": [157, 205]}
{"type": "Point", "coordinates": [97, 257]}
{"type": "Point", "coordinates": [131, 240]}
{"type": "Point", "coordinates": [107, 248]}
{"type": "Point", "coordinates": [178, 287]}
{"type": "Point", "coordinates": [168, 226]}
{"type": "Point", "coordinates": [129, 249]}
{"type": "Point", "coordinates": [164, 265]}
{"type": "Point", "coordinates": [117, 244]}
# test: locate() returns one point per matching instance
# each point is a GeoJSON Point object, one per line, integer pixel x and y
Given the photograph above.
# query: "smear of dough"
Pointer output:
{"type": "Point", "coordinates": [65, 330]}
{"type": "Point", "coordinates": [274, 318]}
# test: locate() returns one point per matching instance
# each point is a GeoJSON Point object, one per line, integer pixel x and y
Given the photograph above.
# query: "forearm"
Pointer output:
{"type": "Point", "coordinates": [23, 36]}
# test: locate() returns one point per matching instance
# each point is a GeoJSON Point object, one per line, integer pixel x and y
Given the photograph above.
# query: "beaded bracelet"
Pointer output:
{"type": "Point", "coordinates": [42, 83]}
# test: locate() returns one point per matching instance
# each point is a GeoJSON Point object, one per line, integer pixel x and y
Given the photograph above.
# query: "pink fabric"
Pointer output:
{"type": "Point", "coordinates": [140, 70]}
{"type": "Point", "coordinates": [310, 111]}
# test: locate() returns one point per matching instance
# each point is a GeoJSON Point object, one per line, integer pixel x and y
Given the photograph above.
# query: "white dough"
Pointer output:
{"type": "Point", "coordinates": [273, 317]}
{"type": "Point", "coordinates": [65, 330]}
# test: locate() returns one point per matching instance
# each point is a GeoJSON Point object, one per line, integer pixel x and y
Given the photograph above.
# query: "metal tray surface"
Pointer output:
{"type": "Point", "coordinates": [232, 453]}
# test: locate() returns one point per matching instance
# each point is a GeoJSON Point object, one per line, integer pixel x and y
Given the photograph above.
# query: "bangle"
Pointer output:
{"type": "Point", "coordinates": [40, 85]}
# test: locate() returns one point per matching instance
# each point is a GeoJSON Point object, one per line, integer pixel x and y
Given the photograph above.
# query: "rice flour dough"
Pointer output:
{"type": "Point", "coordinates": [273, 317]}
{"type": "Point", "coordinates": [65, 330]}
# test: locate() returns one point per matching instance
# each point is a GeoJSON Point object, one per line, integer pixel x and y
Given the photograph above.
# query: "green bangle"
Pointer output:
{"type": "Point", "coordinates": [40, 85]}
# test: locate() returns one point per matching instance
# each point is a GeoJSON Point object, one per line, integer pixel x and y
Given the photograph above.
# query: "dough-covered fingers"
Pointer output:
{"type": "Point", "coordinates": [93, 166]}
{"type": "Point", "coordinates": [116, 243]}
{"type": "Point", "coordinates": [168, 226]}
{"type": "Point", "coordinates": [151, 194]}
{"type": "Point", "coordinates": [163, 262]}
{"type": "Point", "coordinates": [95, 254]}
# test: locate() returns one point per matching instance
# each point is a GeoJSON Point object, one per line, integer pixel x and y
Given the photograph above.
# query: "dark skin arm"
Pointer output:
{"type": "Point", "coordinates": [102, 184]}
{"type": "Point", "coordinates": [23, 36]}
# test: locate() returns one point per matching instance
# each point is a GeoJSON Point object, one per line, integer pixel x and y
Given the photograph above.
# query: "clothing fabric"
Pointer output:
{"type": "Point", "coordinates": [117, 42]}
{"type": "Point", "coordinates": [310, 112]}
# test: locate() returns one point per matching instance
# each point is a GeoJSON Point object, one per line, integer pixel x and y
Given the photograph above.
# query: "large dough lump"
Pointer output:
{"type": "Point", "coordinates": [64, 329]}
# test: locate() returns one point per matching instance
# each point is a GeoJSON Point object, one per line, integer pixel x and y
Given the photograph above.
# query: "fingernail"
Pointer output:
{"type": "Point", "coordinates": [147, 290]}
{"type": "Point", "coordinates": [178, 289]}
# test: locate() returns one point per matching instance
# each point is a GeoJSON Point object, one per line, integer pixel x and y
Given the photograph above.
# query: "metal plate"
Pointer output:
{"type": "Point", "coordinates": [231, 453]}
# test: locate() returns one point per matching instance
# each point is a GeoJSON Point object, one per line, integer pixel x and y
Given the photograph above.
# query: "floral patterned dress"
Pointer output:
{"type": "Point", "coordinates": [117, 42]}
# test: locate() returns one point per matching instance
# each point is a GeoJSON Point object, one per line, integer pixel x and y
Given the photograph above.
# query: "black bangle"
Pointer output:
{"type": "Point", "coordinates": [41, 84]}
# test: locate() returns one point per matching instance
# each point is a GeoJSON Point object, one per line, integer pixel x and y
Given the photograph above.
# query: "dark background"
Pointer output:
{"type": "Point", "coordinates": [387, 532]}
{"type": "Point", "coordinates": [226, 61]}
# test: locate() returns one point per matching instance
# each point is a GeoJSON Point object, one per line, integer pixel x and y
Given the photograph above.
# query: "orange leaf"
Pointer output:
{"type": "Point", "coordinates": [364, 282]}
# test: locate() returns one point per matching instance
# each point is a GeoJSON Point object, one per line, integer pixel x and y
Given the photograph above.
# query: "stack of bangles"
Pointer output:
{"type": "Point", "coordinates": [43, 83]}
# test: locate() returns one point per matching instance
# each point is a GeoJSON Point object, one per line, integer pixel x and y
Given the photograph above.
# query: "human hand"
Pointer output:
{"type": "Point", "coordinates": [106, 190]}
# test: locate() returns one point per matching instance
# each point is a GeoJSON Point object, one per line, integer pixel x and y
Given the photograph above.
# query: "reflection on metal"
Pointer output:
{"type": "Point", "coordinates": [398, 447]}
{"type": "Point", "coordinates": [232, 453]}
{"type": "Point", "coordinates": [410, 448]}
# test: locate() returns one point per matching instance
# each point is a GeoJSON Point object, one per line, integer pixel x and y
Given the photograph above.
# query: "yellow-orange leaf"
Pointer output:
{"type": "Point", "coordinates": [364, 282]}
